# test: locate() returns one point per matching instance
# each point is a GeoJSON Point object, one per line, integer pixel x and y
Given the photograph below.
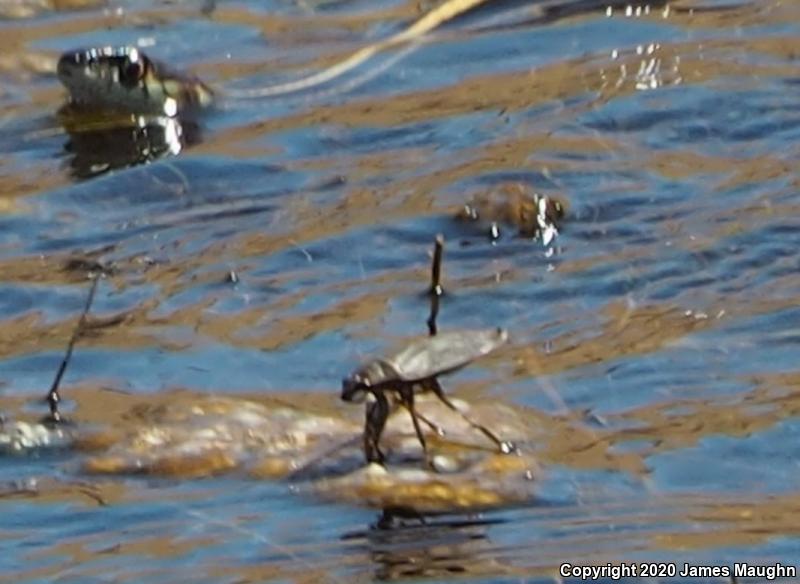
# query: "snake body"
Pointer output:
{"type": "Point", "coordinates": [124, 79]}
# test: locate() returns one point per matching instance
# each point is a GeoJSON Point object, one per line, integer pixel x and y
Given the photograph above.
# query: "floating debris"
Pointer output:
{"type": "Point", "coordinates": [534, 215]}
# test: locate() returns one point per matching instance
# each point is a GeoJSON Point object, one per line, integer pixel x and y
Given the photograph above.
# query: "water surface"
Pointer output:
{"type": "Point", "coordinates": [655, 342]}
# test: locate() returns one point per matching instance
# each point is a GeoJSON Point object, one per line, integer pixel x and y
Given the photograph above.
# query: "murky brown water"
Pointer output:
{"type": "Point", "coordinates": [654, 343]}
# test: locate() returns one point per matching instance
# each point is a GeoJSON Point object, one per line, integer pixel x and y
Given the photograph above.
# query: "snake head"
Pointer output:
{"type": "Point", "coordinates": [123, 79]}
{"type": "Point", "coordinates": [104, 75]}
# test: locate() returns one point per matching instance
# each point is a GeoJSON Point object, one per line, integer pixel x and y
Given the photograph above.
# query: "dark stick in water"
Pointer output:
{"type": "Point", "coordinates": [53, 397]}
{"type": "Point", "coordinates": [436, 289]}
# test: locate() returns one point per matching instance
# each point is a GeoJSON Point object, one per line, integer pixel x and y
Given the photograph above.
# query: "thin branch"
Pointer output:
{"type": "Point", "coordinates": [436, 289]}
{"type": "Point", "coordinates": [53, 397]}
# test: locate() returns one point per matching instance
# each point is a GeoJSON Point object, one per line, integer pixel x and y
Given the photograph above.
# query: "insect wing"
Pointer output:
{"type": "Point", "coordinates": [445, 352]}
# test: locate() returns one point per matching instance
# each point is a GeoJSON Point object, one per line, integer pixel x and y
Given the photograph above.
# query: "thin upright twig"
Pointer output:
{"type": "Point", "coordinates": [53, 397]}
{"type": "Point", "coordinates": [436, 266]}
{"type": "Point", "coordinates": [436, 289]}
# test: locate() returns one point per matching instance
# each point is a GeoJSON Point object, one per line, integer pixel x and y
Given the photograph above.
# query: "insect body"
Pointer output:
{"type": "Point", "coordinates": [417, 367]}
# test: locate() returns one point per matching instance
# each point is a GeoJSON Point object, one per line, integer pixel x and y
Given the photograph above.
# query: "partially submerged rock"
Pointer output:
{"type": "Point", "coordinates": [215, 434]}
{"type": "Point", "coordinates": [320, 453]}
{"type": "Point", "coordinates": [19, 436]}
{"type": "Point", "coordinates": [495, 480]}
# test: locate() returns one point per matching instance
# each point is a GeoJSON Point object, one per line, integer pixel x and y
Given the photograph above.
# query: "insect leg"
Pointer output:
{"type": "Point", "coordinates": [437, 429]}
{"type": "Point", "coordinates": [377, 413]}
{"type": "Point", "coordinates": [407, 397]}
{"type": "Point", "coordinates": [505, 446]}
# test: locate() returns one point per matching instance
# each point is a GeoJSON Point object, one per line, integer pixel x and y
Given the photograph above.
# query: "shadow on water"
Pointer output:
{"type": "Point", "coordinates": [653, 343]}
{"type": "Point", "coordinates": [436, 548]}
